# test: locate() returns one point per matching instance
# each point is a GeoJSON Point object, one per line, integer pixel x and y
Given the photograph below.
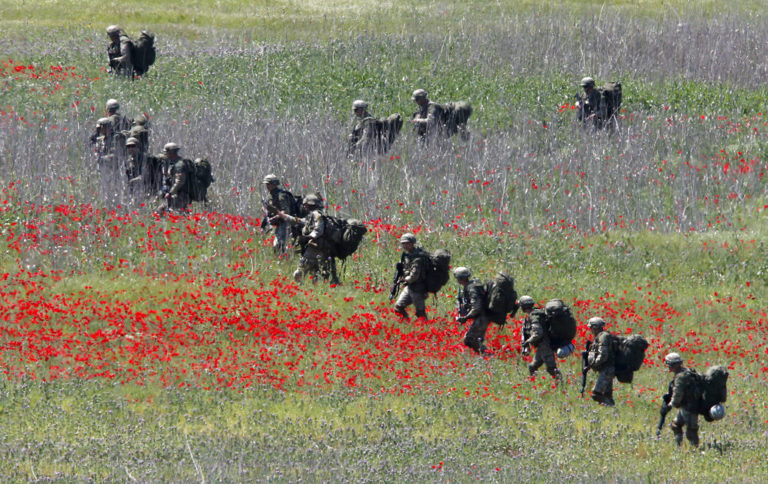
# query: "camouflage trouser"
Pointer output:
{"type": "Point", "coordinates": [476, 334]}
{"type": "Point", "coordinates": [603, 390]}
{"type": "Point", "coordinates": [314, 262]}
{"type": "Point", "coordinates": [544, 356]}
{"type": "Point", "coordinates": [407, 297]}
{"type": "Point", "coordinates": [688, 420]}
{"type": "Point", "coordinates": [281, 236]}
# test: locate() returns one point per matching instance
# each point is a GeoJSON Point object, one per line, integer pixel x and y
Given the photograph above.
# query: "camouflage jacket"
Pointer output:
{"type": "Point", "coordinates": [120, 122]}
{"type": "Point", "coordinates": [415, 265]}
{"type": "Point", "coordinates": [602, 351]}
{"type": "Point", "coordinates": [590, 104]}
{"type": "Point", "coordinates": [134, 165]}
{"type": "Point", "coordinates": [281, 200]}
{"type": "Point", "coordinates": [179, 178]}
{"type": "Point", "coordinates": [119, 54]}
{"type": "Point", "coordinates": [428, 118]}
{"type": "Point", "coordinates": [536, 328]}
{"type": "Point", "coordinates": [471, 299]}
{"type": "Point", "coordinates": [364, 131]}
{"type": "Point", "coordinates": [685, 390]}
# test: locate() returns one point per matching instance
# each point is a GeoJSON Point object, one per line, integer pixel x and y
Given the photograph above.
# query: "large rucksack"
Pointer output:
{"type": "Point", "coordinates": [389, 129]}
{"type": "Point", "coordinates": [343, 235]}
{"type": "Point", "coordinates": [143, 52]}
{"type": "Point", "coordinates": [438, 270]}
{"type": "Point", "coordinates": [501, 298]}
{"type": "Point", "coordinates": [561, 323]}
{"type": "Point", "coordinates": [629, 356]}
{"type": "Point", "coordinates": [714, 390]}
{"type": "Point", "coordinates": [455, 117]}
{"type": "Point", "coordinates": [611, 97]}
{"type": "Point", "coordinates": [199, 178]}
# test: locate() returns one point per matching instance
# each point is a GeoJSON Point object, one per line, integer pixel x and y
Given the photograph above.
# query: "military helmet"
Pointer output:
{"type": "Point", "coordinates": [313, 200]}
{"type": "Point", "coordinates": [171, 147]}
{"type": "Point", "coordinates": [112, 104]}
{"type": "Point", "coordinates": [140, 120]}
{"type": "Point", "coordinates": [596, 322]}
{"type": "Point", "coordinates": [359, 104]}
{"type": "Point", "coordinates": [104, 122]}
{"type": "Point", "coordinates": [717, 412]}
{"type": "Point", "coordinates": [407, 238]}
{"type": "Point", "coordinates": [673, 359]}
{"type": "Point", "coordinates": [418, 93]}
{"type": "Point", "coordinates": [526, 302]}
{"type": "Point", "coordinates": [131, 142]}
{"type": "Point", "coordinates": [271, 180]}
{"type": "Point", "coordinates": [587, 81]}
{"type": "Point", "coordinates": [113, 30]}
{"type": "Point", "coordinates": [461, 272]}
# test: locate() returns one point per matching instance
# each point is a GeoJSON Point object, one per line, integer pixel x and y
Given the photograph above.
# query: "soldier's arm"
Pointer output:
{"type": "Point", "coordinates": [537, 332]}
{"type": "Point", "coordinates": [179, 180]}
{"type": "Point", "coordinates": [475, 303]}
{"type": "Point", "coordinates": [678, 391]}
{"type": "Point", "coordinates": [416, 272]}
{"type": "Point", "coordinates": [318, 225]}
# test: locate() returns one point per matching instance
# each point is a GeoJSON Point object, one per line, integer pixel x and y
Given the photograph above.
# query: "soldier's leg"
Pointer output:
{"type": "Point", "coordinates": [281, 235]}
{"type": "Point", "coordinates": [677, 426]}
{"type": "Point", "coordinates": [476, 334]}
{"type": "Point", "coordinates": [548, 357]}
{"type": "Point", "coordinates": [403, 302]}
{"type": "Point", "coordinates": [536, 363]}
{"type": "Point", "coordinates": [419, 300]}
{"type": "Point", "coordinates": [691, 427]}
{"type": "Point", "coordinates": [603, 389]}
{"type": "Point", "coordinates": [331, 268]}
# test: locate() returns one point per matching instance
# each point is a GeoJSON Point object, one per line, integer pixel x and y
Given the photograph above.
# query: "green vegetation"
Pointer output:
{"type": "Point", "coordinates": [660, 229]}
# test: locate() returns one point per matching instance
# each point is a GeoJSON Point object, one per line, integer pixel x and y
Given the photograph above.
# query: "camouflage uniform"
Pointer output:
{"type": "Point", "coordinates": [428, 119]}
{"type": "Point", "coordinates": [178, 198]}
{"type": "Point", "coordinates": [280, 199]}
{"type": "Point", "coordinates": [591, 103]}
{"type": "Point", "coordinates": [414, 276]}
{"type": "Point", "coordinates": [365, 136]}
{"type": "Point", "coordinates": [315, 259]}
{"type": "Point", "coordinates": [110, 156]}
{"type": "Point", "coordinates": [685, 396]}
{"type": "Point", "coordinates": [472, 306]}
{"type": "Point", "coordinates": [601, 359]}
{"type": "Point", "coordinates": [119, 53]}
{"type": "Point", "coordinates": [535, 325]}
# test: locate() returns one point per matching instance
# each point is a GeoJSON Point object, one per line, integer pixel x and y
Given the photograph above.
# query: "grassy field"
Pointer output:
{"type": "Point", "coordinates": [138, 348]}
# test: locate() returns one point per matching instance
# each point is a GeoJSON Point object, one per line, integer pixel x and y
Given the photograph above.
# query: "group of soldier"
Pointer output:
{"type": "Point", "coordinates": [125, 166]}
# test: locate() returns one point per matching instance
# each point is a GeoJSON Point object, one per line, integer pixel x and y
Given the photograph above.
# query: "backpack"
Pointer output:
{"type": "Point", "coordinates": [438, 270]}
{"type": "Point", "coordinates": [143, 52]}
{"type": "Point", "coordinates": [630, 354]}
{"type": "Point", "coordinates": [199, 178]}
{"type": "Point", "coordinates": [389, 128]}
{"type": "Point", "coordinates": [455, 116]}
{"type": "Point", "coordinates": [561, 325]}
{"type": "Point", "coordinates": [610, 94]}
{"type": "Point", "coordinates": [501, 298]}
{"type": "Point", "coordinates": [344, 235]}
{"type": "Point", "coordinates": [713, 387]}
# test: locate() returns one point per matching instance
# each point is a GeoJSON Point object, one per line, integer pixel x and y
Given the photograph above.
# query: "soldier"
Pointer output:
{"type": "Point", "coordinates": [279, 201]}
{"type": "Point", "coordinates": [110, 152]}
{"type": "Point", "coordinates": [414, 261]}
{"type": "Point", "coordinates": [138, 169]}
{"type": "Point", "coordinates": [119, 52]}
{"type": "Point", "coordinates": [140, 130]}
{"type": "Point", "coordinates": [471, 300]}
{"type": "Point", "coordinates": [535, 334]}
{"type": "Point", "coordinates": [601, 359]}
{"type": "Point", "coordinates": [427, 121]}
{"type": "Point", "coordinates": [119, 122]}
{"type": "Point", "coordinates": [365, 135]}
{"type": "Point", "coordinates": [684, 393]}
{"type": "Point", "coordinates": [315, 259]}
{"type": "Point", "coordinates": [590, 110]}
{"type": "Point", "coordinates": [178, 194]}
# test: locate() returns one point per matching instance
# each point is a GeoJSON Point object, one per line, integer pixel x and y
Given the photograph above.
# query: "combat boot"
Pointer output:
{"type": "Point", "coordinates": [678, 433]}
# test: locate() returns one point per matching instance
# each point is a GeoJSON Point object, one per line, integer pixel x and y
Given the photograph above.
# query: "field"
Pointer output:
{"type": "Point", "coordinates": [142, 348]}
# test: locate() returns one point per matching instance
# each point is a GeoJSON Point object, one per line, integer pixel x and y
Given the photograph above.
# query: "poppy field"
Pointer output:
{"type": "Point", "coordinates": [139, 347]}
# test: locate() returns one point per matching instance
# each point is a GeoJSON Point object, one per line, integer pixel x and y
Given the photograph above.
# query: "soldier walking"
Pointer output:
{"type": "Point", "coordinates": [414, 263]}
{"type": "Point", "coordinates": [427, 121]}
{"type": "Point", "coordinates": [472, 305]}
{"type": "Point", "coordinates": [119, 52]}
{"type": "Point", "coordinates": [601, 358]}
{"type": "Point", "coordinates": [178, 198]}
{"type": "Point", "coordinates": [684, 393]}
{"type": "Point", "coordinates": [535, 335]}
{"type": "Point", "coordinates": [279, 201]}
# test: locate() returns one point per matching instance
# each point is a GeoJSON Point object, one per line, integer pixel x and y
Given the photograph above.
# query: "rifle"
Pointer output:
{"type": "Point", "coordinates": [584, 367]}
{"type": "Point", "coordinates": [269, 211]}
{"type": "Point", "coordinates": [663, 411]}
{"type": "Point", "coordinates": [396, 281]}
{"type": "Point", "coordinates": [461, 305]}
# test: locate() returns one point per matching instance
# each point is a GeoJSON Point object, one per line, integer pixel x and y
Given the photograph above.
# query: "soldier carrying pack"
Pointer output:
{"type": "Point", "coordinates": [501, 298]}
{"type": "Point", "coordinates": [630, 354]}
